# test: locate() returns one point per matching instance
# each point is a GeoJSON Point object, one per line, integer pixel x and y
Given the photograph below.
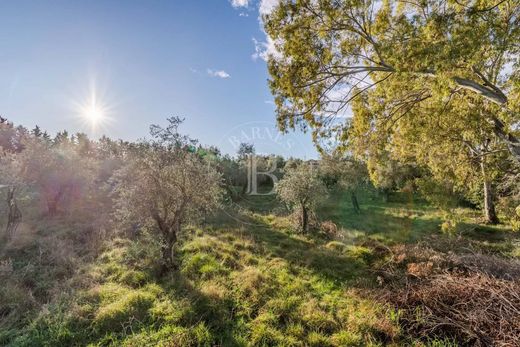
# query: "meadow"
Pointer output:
{"type": "Point", "coordinates": [245, 278]}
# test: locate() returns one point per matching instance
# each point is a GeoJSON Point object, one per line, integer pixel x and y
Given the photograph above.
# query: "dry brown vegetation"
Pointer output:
{"type": "Point", "coordinates": [473, 298]}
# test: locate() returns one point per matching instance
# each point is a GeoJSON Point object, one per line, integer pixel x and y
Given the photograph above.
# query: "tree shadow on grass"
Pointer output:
{"type": "Point", "coordinates": [404, 219]}
{"type": "Point", "coordinates": [491, 233]}
{"type": "Point", "coordinates": [378, 223]}
{"type": "Point", "coordinates": [214, 312]}
{"type": "Point", "coordinates": [300, 251]}
{"type": "Point", "coordinates": [488, 238]}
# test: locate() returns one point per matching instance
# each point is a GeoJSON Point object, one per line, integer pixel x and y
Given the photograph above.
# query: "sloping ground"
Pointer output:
{"type": "Point", "coordinates": [463, 289]}
{"type": "Point", "coordinates": [259, 284]}
{"type": "Point", "coordinates": [471, 298]}
{"type": "Point", "coordinates": [236, 287]}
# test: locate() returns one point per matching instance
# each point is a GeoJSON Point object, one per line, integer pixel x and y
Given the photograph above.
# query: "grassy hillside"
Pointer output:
{"type": "Point", "coordinates": [254, 283]}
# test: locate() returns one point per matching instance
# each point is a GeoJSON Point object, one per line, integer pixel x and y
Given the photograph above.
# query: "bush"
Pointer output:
{"type": "Point", "coordinates": [329, 228]}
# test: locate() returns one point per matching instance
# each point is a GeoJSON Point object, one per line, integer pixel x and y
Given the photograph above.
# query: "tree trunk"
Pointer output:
{"type": "Point", "coordinates": [52, 203]}
{"type": "Point", "coordinates": [490, 215]}
{"type": "Point", "coordinates": [15, 215]}
{"type": "Point", "coordinates": [386, 194]}
{"type": "Point", "coordinates": [169, 238]}
{"type": "Point", "coordinates": [355, 202]}
{"type": "Point", "coordinates": [305, 219]}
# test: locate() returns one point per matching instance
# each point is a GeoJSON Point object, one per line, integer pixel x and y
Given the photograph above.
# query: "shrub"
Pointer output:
{"type": "Point", "coordinates": [329, 228]}
{"type": "Point", "coordinates": [14, 299]}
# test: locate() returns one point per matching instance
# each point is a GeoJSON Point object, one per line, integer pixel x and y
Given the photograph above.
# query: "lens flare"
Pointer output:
{"type": "Point", "coordinates": [94, 112]}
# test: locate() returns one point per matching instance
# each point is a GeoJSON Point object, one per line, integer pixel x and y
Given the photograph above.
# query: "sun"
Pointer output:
{"type": "Point", "coordinates": [94, 112]}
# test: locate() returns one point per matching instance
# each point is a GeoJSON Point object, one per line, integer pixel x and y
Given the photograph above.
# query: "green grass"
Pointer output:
{"type": "Point", "coordinates": [235, 288]}
{"type": "Point", "coordinates": [403, 218]}
{"type": "Point", "coordinates": [251, 284]}
{"type": "Point", "coordinates": [408, 219]}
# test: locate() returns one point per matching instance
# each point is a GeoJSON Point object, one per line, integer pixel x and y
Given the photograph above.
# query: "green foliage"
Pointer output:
{"type": "Point", "coordinates": [79, 280]}
{"type": "Point", "coordinates": [302, 190]}
{"type": "Point", "coordinates": [432, 85]}
{"type": "Point", "coordinates": [285, 300]}
{"type": "Point", "coordinates": [440, 195]}
{"type": "Point", "coordinates": [165, 185]}
{"type": "Point", "coordinates": [436, 54]}
{"type": "Point", "coordinates": [238, 286]}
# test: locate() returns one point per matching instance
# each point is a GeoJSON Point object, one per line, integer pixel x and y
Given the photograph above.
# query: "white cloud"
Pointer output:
{"type": "Point", "coordinates": [239, 3]}
{"type": "Point", "coordinates": [264, 50]}
{"type": "Point", "coordinates": [218, 73]}
{"type": "Point", "coordinates": [267, 6]}
{"type": "Point", "coordinates": [267, 48]}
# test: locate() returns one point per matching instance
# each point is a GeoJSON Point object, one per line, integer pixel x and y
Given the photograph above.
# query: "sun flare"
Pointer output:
{"type": "Point", "coordinates": [94, 114]}
{"type": "Point", "coordinates": [93, 111]}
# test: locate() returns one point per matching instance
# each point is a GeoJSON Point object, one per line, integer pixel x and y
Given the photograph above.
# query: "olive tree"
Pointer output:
{"type": "Point", "coordinates": [346, 173]}
{"type": "Point", "coordinates": [167, 184]}
{"type": "Point", "coordinates": [302, 190]}
{"type": "Point", "coordinates": [61, 176]}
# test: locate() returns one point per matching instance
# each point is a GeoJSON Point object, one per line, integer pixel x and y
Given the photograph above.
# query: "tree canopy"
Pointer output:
{"type": "Point", "coordinates": [167, 184]}
{"type": "Point", "coordinates": [405, 58]}
{"type": "Point", "coordinates": [301, 189]}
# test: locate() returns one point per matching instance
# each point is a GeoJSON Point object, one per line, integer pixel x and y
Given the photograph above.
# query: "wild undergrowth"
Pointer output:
{"type": "Point", "coordinates": [233, 288]}
{"type": "Point", "coordinates": [237, 284]}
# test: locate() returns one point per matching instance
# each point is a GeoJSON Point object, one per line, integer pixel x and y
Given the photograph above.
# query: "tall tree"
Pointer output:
{"type": "Point", "coordinates": [11, 182]}
{"type": "Point", "coordinates": [245, 154]}
{"type": "Point", "coordinates": [409, 52]}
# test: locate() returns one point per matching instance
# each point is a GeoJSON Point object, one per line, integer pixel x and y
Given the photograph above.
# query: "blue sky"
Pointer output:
{"type": "Point", "coordinates": [146, 60]}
